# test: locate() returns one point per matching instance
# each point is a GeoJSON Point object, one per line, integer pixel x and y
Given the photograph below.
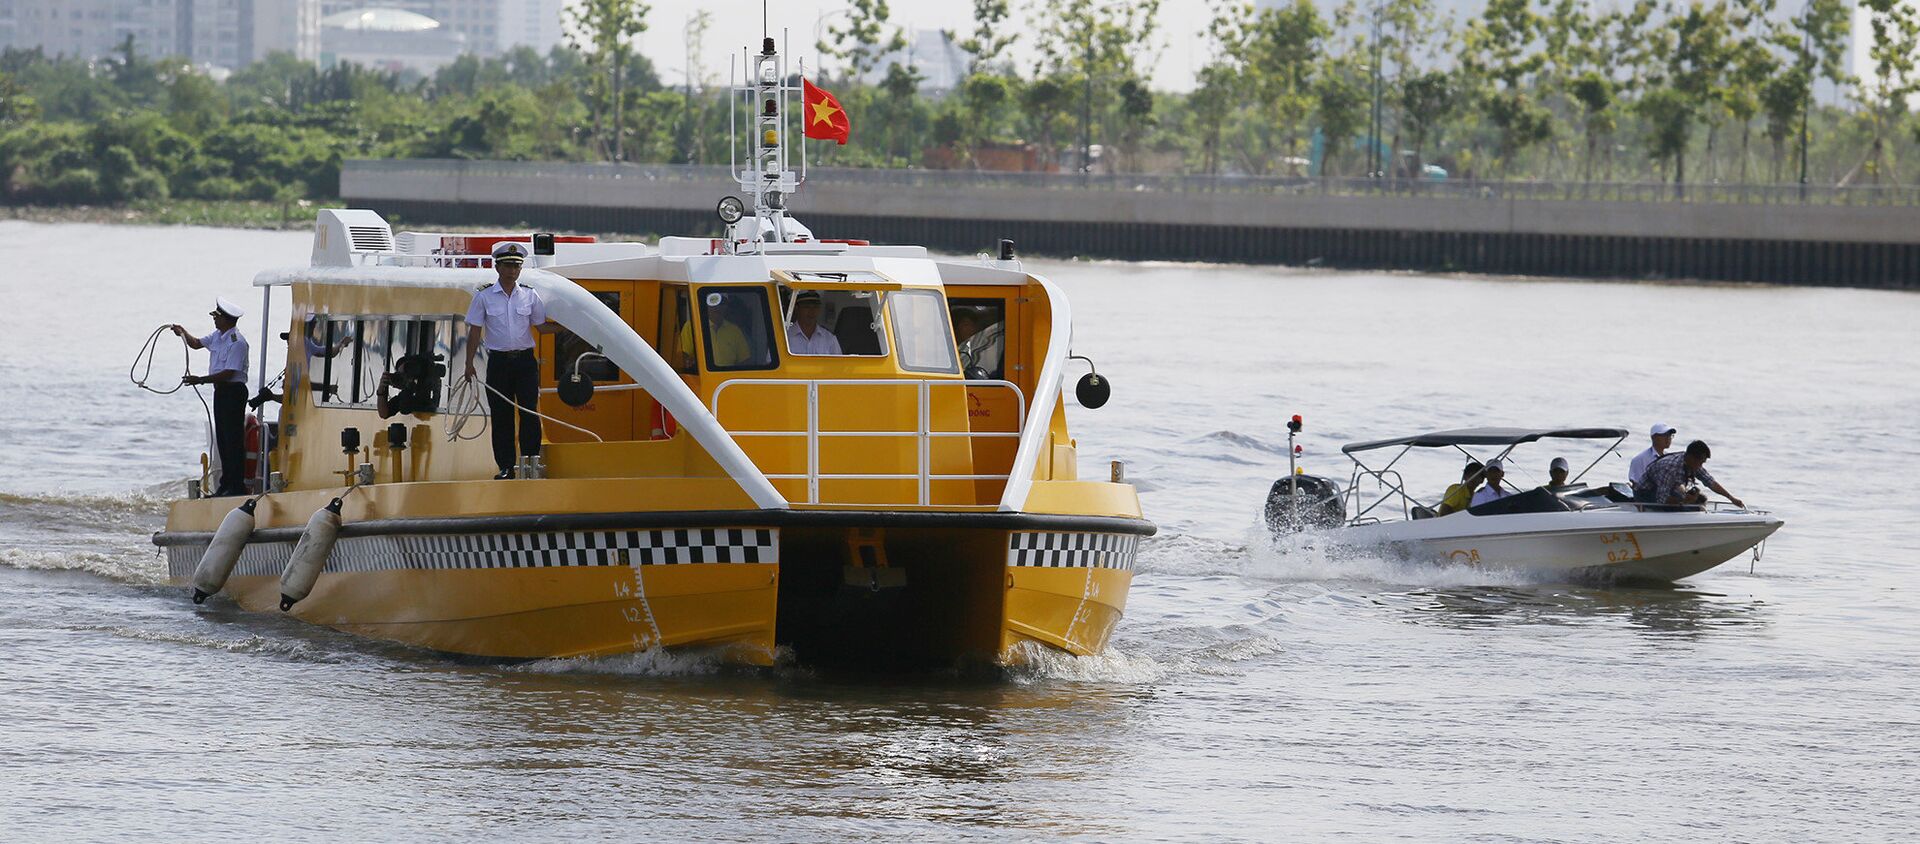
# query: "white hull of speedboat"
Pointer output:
{"type": "Point", "coordinates": [1619, 545]}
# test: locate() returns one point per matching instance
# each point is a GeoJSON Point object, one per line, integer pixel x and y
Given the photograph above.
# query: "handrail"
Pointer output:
{"type": "Point", "coordinates": [922, 433]}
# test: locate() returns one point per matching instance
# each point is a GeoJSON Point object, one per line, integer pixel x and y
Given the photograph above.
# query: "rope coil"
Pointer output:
{"type": "Point", "coordinates": [147, 353]}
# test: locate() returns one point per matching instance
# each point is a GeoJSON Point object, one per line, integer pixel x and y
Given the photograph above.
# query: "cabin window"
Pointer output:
{"type": "Point", "coordinates": [348, 357]}
{"type": "Point", "coordinates": [676, 329]}
{"type": "Point", "coordinates": [335, 341]}
{"type": "Point", "coordinates": [414, 366]}
{"type": "Point", "coordinates": [738, 328]}
{"type": "Point", "coordinates": [847, 317]}
{"type": "Point", "coordinates": [920, 327]}
{"type": "Point", "coordinates": [980, 328]}
{"type": "Point", "coordinates": [568, 348]}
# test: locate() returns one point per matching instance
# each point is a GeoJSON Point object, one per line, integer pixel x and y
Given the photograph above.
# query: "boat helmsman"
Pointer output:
{"type": "Point", "coordinates": [503, 317]}
{"type": "Point", "coordinates": [227, 372]}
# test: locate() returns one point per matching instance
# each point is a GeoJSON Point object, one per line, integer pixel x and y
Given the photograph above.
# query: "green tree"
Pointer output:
{"type": "Point", "coordinates": [991, 36]}
{"type": "Point", "coordinates": [1426, 101]}
{"type": "Point", "coordinates": [862, 39]}
{"type": "Point", "coordinates": [603, 31]}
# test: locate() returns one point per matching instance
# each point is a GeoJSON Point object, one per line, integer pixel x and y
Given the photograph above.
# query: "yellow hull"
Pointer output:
{"type": "Point", "coordinates": [953, 585]}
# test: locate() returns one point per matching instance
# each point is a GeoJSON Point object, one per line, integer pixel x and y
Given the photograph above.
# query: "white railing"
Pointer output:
{"type": "Point", "coordinates": [923, 433]}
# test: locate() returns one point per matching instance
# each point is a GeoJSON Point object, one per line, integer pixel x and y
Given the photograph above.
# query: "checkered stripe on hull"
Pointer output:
{"type": "Point", "coordinates": [1072, 550]}
{"type": "Point", "coordinates": [508, 550]}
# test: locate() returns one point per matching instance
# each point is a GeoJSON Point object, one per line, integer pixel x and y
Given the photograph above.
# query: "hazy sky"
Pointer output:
{"type": "Point", "coordinates": [736, 25]}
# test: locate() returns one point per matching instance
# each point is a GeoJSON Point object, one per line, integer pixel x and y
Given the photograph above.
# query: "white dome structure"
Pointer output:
{"type": "Point", "coordinates": [379, 19]}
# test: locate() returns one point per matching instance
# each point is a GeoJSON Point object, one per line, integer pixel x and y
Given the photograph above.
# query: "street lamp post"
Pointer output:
{"type": "Point", "coordinates": [1806, 95]}
{"type": "Point", "coordinates": [1086, 109]}
{"type": "Point", "coordinates": [1376, 162]}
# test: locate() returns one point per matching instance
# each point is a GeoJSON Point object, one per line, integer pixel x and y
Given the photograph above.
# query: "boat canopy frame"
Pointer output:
{"type": "Point", "coordinates": [1458, 439]}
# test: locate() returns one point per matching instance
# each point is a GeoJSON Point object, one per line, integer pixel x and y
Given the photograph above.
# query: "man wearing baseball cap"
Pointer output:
{"type": "Point", "coordinates": [1557, 474]}
{"type": "Point", "coordinates": [227, 372]}
{"type": "Point", "coordinates": [503, 317]}
{"type": "Point", "coordinates": [1495, 488]}
{"type": "Point", "coordinates": [1662, 435]}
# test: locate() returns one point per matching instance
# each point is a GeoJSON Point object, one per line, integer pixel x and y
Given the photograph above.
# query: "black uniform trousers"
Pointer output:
{"type": "Point", "coordinates": [515, 374]}
{"type": "Point", "coordinates": [229, 436]}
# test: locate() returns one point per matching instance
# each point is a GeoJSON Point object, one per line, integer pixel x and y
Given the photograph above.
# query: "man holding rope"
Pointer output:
{"type": "Point", "coordinates": [506, 313]}
{"type": "Point", "coordinates": [227, 372]}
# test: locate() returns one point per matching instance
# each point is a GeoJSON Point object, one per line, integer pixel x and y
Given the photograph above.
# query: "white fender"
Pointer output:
{"type": "Point", "coordinates": [223, 551]}
{"type": "Point", "coordinates": [310, 555]}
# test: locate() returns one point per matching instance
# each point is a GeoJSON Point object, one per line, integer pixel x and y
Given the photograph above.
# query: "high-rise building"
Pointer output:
{"type": "Point", "coordinates": [216, 33]}
{"type": "Point", "coordinates": [530, 23]}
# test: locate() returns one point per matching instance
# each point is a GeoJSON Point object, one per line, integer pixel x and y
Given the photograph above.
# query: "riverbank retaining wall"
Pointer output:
{"type": "Point", "coordinates": [1807, 244]}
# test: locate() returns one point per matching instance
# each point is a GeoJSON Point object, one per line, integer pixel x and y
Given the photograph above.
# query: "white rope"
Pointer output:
{"type": "Point", "coordinates": [464, 403]}
{"type": "Point", "coordinates": [146, 354]}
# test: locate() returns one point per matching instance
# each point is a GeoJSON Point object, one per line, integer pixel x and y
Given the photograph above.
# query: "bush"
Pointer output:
{"type": "Point", "coordinates": [73, 187]}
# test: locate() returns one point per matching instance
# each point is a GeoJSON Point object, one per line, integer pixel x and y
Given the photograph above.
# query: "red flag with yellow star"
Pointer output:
{"type": "Point", "coordinates": [826, 120]}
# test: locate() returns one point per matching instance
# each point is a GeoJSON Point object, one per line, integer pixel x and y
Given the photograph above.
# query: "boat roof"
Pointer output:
{"type": "Point", "coordinates": [1487, 436]}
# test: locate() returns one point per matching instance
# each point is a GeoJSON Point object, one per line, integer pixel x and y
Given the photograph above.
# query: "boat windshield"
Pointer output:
{"type": "Point", "coordinates": [833, 322]}
{"type": "Point", "coordinates": [920, 326]}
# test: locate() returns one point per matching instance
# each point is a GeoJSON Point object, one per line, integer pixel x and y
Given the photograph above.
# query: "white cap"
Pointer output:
{"type": "Point", "coordinates": [226, 306]}
{"type": "Point", "coordinates": [509, 247]}
{"type": "Point", "coordinates": [1559, 463]}
{"type": "Point", "coordinates": [1496, 465]}
{"type": "Point", "coordinates": [1662, 428]}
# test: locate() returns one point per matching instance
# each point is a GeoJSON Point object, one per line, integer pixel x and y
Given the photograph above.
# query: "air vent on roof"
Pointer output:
{"type": "Point", "coordinates": [371, 238]}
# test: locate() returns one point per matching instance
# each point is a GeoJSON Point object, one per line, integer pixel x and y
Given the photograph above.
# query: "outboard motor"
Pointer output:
{"type": "Point", "coordinates": [1299, 502]}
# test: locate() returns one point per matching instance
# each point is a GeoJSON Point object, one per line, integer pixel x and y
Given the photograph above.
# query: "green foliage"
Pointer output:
{"type": "Point", "coordinates": [1523, 89]}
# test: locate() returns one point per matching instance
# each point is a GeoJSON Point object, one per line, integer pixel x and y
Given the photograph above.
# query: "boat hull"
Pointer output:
{"type": "Point", "coordinates": [1613, 545]}
{"type": "Point", "coordinates": [982, 590]}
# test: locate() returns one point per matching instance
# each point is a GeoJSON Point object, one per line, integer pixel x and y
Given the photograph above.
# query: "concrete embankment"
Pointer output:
{"type": "Point", "coordinates": [1821, 243]}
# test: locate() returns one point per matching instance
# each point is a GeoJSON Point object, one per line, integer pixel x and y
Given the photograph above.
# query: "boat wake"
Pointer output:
{"type": "Point", "coordinates": [656, 662]}
{"type": "Point", "coordinates": [103, 535]}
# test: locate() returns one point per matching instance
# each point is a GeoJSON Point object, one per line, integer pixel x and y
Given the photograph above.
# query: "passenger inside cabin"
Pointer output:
{"type": "Point", "coordinates": [1460, 496]}
{"type": "Point", "coordinates": [982, 345]}
{"type": "Point", "coordinates": [805, 336]}
{"type": "Point", "coordinates": [732, 341]}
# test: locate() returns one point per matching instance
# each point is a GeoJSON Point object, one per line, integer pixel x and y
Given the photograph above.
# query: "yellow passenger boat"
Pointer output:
{"type": "Point", "coordinates": [912, 499]}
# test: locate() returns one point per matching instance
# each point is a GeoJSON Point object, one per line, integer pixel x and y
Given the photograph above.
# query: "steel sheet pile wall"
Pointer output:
{"type": "Point", "coordinates": [1813, 244]}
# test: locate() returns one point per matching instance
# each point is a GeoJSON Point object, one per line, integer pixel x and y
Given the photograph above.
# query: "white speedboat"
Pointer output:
{"type": "Point", "coordinates": [1576, 531]}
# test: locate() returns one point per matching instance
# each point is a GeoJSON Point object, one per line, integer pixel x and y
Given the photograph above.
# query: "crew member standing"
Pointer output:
{"type": "Point", "coordinates": [507, 313]}
{"type": "Point", "coordinates": [227, 372]}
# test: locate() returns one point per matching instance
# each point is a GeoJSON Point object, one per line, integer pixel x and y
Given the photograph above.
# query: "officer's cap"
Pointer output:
{"type": "Point", "coordinates": [509, 252]}
{"type": "Point", "coordinates": [223, 307]}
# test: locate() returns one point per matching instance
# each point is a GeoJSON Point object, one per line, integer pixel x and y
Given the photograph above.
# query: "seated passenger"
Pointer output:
{"type": "Point", "coordinates": [1672, 476]}
{"type": "Point", "coordinates": [1557, 475]}
{"type": "Point", "coordinates": [804, 334]}
{"type": "Point", "coordinates": [981, 351]}
{"type": "Point", "coordinates": [727, 336]}
{"type": "Point", "coordinates": [1493, 491]}
{"type": "Point", "coordinates": [1460, 495]}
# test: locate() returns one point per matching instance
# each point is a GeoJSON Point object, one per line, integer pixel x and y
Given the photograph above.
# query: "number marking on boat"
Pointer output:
{"type": "Point", "coordinates": [1622, 547]}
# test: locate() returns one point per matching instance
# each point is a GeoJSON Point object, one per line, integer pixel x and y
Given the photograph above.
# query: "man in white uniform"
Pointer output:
{"type": "Point", "coordinates": [504, 316]}
{"type": "Point", "coordinates": [804, 334]}
{"type": "Point", "coordinates": [227, 372]}
{"type": "Point", "coordinates": [1662, 435]}
{"type": "Point", "coordinates": [1495, 489]}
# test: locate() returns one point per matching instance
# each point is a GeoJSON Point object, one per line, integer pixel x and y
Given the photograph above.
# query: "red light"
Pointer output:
{"type": "Point", "coordinates": [1296, 419]}
{"type": "Point", "coordinates": [1299, 449]}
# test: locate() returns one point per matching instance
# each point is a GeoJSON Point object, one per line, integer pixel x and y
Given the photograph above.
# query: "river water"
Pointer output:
{"type": "Point", "coordinates": [1254, 691]}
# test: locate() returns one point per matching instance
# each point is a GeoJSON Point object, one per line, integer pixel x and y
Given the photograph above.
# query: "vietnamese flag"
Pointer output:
{"type": "Point", "coordinates": [825, 119]}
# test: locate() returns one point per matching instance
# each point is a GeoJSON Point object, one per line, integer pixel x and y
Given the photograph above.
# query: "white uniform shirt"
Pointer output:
{"type": "Point", "coordinates": [227, 350]}
{"type": "Point", "coordinates": [509, 320]}
{"type": "Point", "coordinates": [1638, 468]}
{"type": "Point", "coordinates": [1488, 493]}
{"type": "Point", "coordinates": [821, 343]}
